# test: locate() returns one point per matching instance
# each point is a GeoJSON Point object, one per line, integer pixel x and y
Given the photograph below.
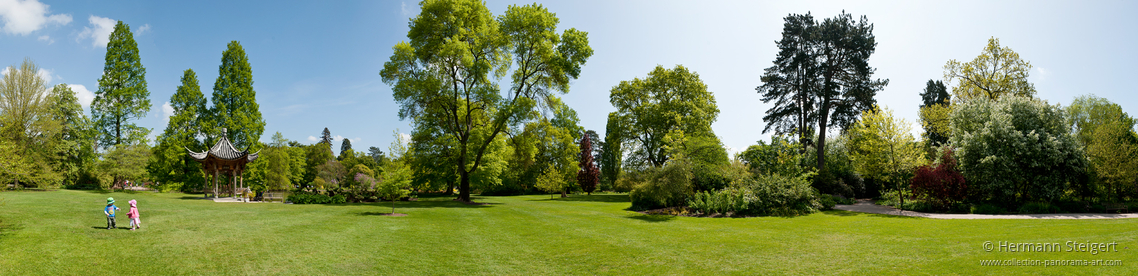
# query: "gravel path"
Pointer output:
{"type": "Point", "coordinates": [867, 206]}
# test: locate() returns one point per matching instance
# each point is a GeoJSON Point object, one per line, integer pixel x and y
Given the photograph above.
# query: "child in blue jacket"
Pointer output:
{"type": "Point", "coordinates": [110, 212]}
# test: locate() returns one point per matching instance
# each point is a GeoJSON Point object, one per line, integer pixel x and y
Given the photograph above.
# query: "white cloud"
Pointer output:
{"type": "Point", "coordinates": [85, 96]}
{"type": "Point", "coordinates": [313, 139]}
{"type": "Point", "coordinates": [99, 32]}
{"type": "Point", "coordinates": [167, 111]}
{"type": "Point", "coordinates": [5, 71]}
{"type": "Point", "coordinates": [45, 75]}
{"type": "Point", "coordinates": [407, 12]}
{"type": "Point", "coordinates": [143, 29]}
{"type": "Point", "coordinates": [1041, 74]}
{"type": "Point", "coordinates": [338, 138]}
{"type": "Point", "coordinates": [27, 16]}
{"type": "Point", "coordinates": [46, 38]}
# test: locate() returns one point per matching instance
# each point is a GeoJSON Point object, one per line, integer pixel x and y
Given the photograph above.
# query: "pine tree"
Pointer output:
{"type": "Point", "coordinates": [345, 146]}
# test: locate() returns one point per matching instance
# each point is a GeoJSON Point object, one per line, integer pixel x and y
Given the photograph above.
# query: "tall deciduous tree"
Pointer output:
{"type": "Point", "coordinates": [997, 72]}
{"type": "Point", "coordinates": [934, 112]}
{"type": "Point", "coordinates": [588, 174]}
{"type": "Point", "coordinates": [667, 101]}
{"type": "Point", "coordinates": [444, 73]}
{"type": "Point", "coordinates": [122, 94]}
{"type": "Point", "coordinates": [26, 120]}
{"type": "Point", "coordinates": [1107, 134]}
{"type": "Point", "coordinates": [234, 100]}
{"type": "Point", "coordinates": [171, 166]}
{"type": "Point", "coordinates": [821, 75]}
{"type": "Point", "coordinates": [76, 145]}
{"type": "Point", "coordinates": [279, 167]}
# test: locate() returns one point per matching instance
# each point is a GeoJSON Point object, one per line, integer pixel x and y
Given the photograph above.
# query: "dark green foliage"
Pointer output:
{"type": "Point", "coordinates": [935, 94]}
{"type": "Point", "coordinates": [345, 146]}
{"type": "Point", "coordinates": [669, 186]}
{"type": "Point", "coordinates": [235, 105]}
{"type": "Point", "coordinates": [326, 137]}
{"type": "Point", "coordinates": [827, 202]}
{"type": "Point", "coordinates": [611, 153]}
{"type": "Point", "coordinates": [821, 75]}
{"type": "Point", "coordinates": [1039, 208]}
{"type": "Point", "coordinates": [773, 195]}
{"type": "Point", "coordinates": [986, 208]}
{"type": "Point", "coordinates": [303, 198]}
{"type": "Point", "coordinates": [122, 94]}
{"type": "Point", "coordinates": [171, 167]}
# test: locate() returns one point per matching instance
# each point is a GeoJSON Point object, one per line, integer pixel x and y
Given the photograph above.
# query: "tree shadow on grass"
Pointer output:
{"type": "Point", "coordinates": [591, 198]}
{"type": "Point", "coordinates": [381, 214]}
{"type": "Point", "coordinates": [104, 227]}
{"type": "Point", "coordinates": [652, 218]}
{"type": "Point", "coordinates": [430, 204]}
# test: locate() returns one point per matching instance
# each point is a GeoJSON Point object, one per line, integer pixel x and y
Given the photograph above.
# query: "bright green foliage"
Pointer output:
{"type": "Point", "coordinates": [75, 151]}
{"type": "Point", "coordinates": [122, 94]}
{"type": "Point", "coordinates": [171, 166]}
{"type": "Point", "coordinates": [316, 155]}
{"type": "Point", "coordinates": [821, 75]}
{"type": "Point", "coordinates": [668, 100]}
{"type": "Point", "coordinates": [935, 108]}
{"type": "Point", "coordinates": [782, 156]}
{"type": "Point", "coordinates": [1016, 149]}
{"type": "Point", "coordinates": [442, 77]}
{"type": "Point", "coordinates": [611, 152]}
{"type": "Point", "coordinates": [234, 101]}
{"type": "Point", "coordinates": [125, 162]}
{"type": "Point", "coordinates": [396, 181]}
{"type": "Point", "coordinates": [883, 148]}
{"type": "Point", "coordinates": [668, 186]}
{"type": "Point", "coordinates": [543, 144]}
{"type": "Point", "coordinates": [996, 73]}
{"type": "Point", "coordinates": [550, 181]}
{"type": "Point", "coordinates": [1111, 145]}
{"type": "Point", "coordinates": [28, 121]}
{"type": "Point", "coordinates": [770, 195]}
{"type": "Point", "coordinates": [279, 164]}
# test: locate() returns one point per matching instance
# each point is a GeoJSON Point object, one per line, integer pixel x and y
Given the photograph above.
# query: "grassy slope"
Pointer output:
{"type": "Point", "coordinates": [60, 233]}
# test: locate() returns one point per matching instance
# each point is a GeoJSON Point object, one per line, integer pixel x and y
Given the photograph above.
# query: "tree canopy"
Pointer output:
{"type": "Point", "coordinates": [996, 72]}
{"type": "Point", "coordinates": [171, 165]}
{"type": "Point", "coordinates": [821, 75]}
{"type": "Point", "coordinates": [934, 112]}
{"type": "Point", "coordinates": [443, 77]}
{"type": "Point", "coordinates": [122, 94]}
{"type": "Point", "coordinates": [667, 101]}
{"type": "Point", "coordinates": [234, 100]}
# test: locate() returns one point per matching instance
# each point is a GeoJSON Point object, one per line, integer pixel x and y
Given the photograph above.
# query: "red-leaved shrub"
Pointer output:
{"type": "Point", "coordinates": [943, 184]}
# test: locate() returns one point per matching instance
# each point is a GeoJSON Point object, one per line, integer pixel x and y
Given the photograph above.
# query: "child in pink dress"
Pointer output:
{"type": "Point", "coordinates": [135, 223]}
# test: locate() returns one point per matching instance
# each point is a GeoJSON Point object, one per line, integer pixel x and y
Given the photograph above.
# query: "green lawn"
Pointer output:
{"type": "Point", "coordinates": [61, 232]}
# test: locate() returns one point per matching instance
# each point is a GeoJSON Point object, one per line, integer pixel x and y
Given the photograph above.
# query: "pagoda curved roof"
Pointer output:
{"type": "Point", "coordinates": [223, 150]}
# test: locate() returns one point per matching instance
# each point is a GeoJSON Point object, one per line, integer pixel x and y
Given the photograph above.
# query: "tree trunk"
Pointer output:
{"type": "Point", "coordinates": [464, 186]}
{"type": "Point", "coordinates": [821, 143]}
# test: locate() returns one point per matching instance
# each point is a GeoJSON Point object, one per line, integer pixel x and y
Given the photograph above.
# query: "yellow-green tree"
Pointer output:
{"type": "Point", "coordinates": [1111, 145]}
{"type": "Point", "coordinates": [883, 148]}
{"type": "Point", "coordinates": [997, 72]}
{"type": "Point", "coordinates": [29, 126]}
{"type": "Point", "coordinates": [446, 76]}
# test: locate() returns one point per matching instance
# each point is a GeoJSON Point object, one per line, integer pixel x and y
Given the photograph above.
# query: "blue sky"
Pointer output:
{"type": "Point", "coordinates": [316, 64]}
